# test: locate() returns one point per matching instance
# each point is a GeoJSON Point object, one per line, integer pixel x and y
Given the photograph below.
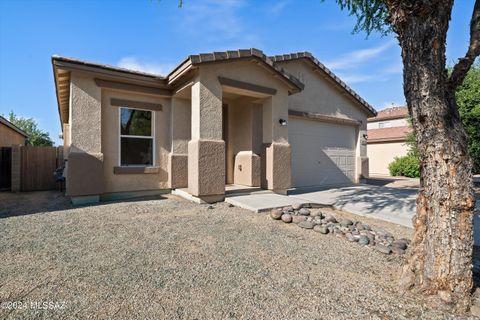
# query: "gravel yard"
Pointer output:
{"type": "Point", "coordinates": [167, 258]}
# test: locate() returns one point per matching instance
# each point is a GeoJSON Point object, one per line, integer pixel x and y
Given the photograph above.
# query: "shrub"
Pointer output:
{"type": "Point", "coordinates": [407, 166]}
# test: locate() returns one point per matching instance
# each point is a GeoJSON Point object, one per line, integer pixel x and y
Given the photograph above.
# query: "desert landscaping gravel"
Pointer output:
{"type": "Point", "coordinates": [166, 258]}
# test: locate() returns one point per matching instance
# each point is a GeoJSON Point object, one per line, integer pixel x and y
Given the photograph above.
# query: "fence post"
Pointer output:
{"type": "Point", "coordinates": [16, 168]}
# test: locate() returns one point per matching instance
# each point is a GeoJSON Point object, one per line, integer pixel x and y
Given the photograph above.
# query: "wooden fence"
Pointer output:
{"type": "Point", "coordinates": [33, 167]}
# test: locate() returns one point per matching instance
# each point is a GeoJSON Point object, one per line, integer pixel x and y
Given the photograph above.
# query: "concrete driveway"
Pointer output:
{"type": "Point", "coordinates": [396, 205]}
{"type": "Point", "coordinates": [390, 204]}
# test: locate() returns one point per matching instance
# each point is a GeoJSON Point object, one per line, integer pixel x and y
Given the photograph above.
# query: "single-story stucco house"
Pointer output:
{"type": "Point", "coordinates": [387, 133]}
{"type": "Point", "coordinates": [235, 117]}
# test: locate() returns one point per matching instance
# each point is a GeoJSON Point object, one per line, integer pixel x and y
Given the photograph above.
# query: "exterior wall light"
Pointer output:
{"type": "Point", "coordinates": [365, 136]}
{"type": "Point", "coordinates": [282, 122]}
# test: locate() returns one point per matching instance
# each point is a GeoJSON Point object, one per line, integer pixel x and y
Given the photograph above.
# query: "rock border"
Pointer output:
{"type": "Point", "coordinates": [352, 230]}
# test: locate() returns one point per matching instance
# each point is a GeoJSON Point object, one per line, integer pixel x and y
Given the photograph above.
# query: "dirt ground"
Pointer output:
{"type": "Point", "coordinates": [166, 258]}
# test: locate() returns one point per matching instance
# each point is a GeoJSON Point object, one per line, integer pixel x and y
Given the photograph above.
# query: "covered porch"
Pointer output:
{"type": "Point", "coordinates": [238, 132]}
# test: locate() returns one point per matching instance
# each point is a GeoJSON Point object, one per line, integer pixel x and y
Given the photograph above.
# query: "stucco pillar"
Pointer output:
{"type": "Point", "coordinates": [206, 149]}
{"type": "Point", "coordinates": [181, 134]}
{"type": "Point", "coordinates": [362, 166]}
{"type": "Point", "coordinates": [84, 182]}
{"type": "Point", "coordinates": [276, 155]}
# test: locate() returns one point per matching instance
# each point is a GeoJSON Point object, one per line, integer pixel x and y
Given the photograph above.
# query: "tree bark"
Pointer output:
{"type": "Point", "coordinates": [439, 259]}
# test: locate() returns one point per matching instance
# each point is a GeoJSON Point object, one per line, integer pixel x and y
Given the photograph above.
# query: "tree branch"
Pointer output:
{"type": "Point", "coordinates": [463, 65]}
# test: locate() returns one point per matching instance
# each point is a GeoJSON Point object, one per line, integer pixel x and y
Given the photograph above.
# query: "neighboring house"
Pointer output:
{"type": "Point", "coordinates": [10, 134]}
{"type": "Point", "coordinates": [234, 117]}
{"type": "Point", "coordinates": [387, 133]}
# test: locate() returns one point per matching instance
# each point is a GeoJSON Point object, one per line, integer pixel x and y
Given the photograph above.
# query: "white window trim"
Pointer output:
{"type": "Point", "coordinates": [120, 136]}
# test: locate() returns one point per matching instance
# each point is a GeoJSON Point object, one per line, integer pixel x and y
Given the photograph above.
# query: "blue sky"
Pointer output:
{"type": "Point", "coordinates": [154, 36]}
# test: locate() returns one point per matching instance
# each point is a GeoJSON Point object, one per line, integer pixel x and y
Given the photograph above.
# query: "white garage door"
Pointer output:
{"type": "Point", "coordinates": [322, 153]}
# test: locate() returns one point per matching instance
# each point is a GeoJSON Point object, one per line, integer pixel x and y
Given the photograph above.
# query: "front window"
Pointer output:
{"type": "Point", "coordinates": [136, 137]}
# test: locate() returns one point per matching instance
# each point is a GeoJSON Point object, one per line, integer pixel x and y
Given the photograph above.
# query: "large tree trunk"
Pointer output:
{"type": "Point", "coordinates": [439, 260]}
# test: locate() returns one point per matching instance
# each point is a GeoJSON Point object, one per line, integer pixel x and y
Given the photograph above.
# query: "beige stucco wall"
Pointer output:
{"type": "Point", "coordinates": [86, 114]}
{"type": "Point", "coordinates": [110, 145]}
{"type": "Point", "coordinates": [181, 133]}
{"type": "Point", "coordinates": [9, 137]}
{"type": "Point", "coordinates": [382, 154]}
{"type": "Point", "coordinates": [244, 136]}
{"type": "Point", "coordinates": [66, 140]}
{"type": "Point", "coordinates": [85, 158]}
{"type": "Point", "coordinates": [181, 125]}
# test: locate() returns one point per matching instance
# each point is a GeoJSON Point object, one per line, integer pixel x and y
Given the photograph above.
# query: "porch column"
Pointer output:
{"type": "Point", "coordinates": [277, 150]}
{"type": "Point", "coordinates": [206, 150]}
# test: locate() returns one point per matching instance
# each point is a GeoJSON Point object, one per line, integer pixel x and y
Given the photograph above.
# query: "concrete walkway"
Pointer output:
{"type": "Point", "coordinates": [261, 201]}
{"type": "Point", "coordinates": [391, 204]}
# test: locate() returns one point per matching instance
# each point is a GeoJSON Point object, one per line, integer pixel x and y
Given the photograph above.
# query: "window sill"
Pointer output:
{"type": "Point", "coordinates": [135, 170]}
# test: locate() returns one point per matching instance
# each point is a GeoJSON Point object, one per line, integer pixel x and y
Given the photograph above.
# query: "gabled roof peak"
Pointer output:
{"type": "Point", "coordinates": [308, 56]}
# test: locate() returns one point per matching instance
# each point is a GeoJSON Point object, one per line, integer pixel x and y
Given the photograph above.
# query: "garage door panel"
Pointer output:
{"type": "Point", "coordinates": [322, 153]}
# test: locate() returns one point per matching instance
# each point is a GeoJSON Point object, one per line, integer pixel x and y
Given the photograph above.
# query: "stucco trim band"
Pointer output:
{"type": "Point", "coordinates": [132, 87]}
{"type": "Point", "coordinates": [135, 170]}
{"type": "Point", "coordinates": [323, 118]}
{"type": "Point", "coordinates": [246, 86]}
{"type": "Point", "coordinates": [136, 104]}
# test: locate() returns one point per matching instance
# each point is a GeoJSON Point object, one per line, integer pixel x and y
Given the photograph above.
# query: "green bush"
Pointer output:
{"type": "Point", "coordinates": [406, 166]}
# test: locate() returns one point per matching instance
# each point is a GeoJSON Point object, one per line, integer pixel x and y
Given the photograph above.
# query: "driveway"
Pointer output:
{"type": "Point", "coordinates": [395, 205]}
{"type": "Point", "coordinates": [389, 204]}
{"type": "Point", "coordinates": [392, 200]}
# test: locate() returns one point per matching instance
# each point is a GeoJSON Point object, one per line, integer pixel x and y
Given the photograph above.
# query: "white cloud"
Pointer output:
{"type": "Point", "coordinates": [278, 7]}
{"type": "Point", "coordinates": [358, 78]}
{"type": "Point", "coordinates": [133, 63]}
{"type": "Point", "coordinates": [356, 58]}
{"type": "Point", "coordinates": [214, 19]}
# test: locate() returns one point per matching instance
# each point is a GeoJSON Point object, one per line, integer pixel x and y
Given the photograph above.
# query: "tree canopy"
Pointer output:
{"type": "Point", "coordinates": [468, 101]}
{"type": "Point", "coordinates": [36, 137]}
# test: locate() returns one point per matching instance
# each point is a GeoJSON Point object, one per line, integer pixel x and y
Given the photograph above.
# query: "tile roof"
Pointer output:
{"type": "Point", "coordinates": [391, 113]}
{"type": "Point", "coordinates": [229, 55]}
{"type": "Point", "coordinates": [388, 134]}
{"type": "Point", "coordinates": [57, 58]}
{"type": "Point", "coordinates": [321, 66]}
{"type": "Point", "coordinates": [270, 62]}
